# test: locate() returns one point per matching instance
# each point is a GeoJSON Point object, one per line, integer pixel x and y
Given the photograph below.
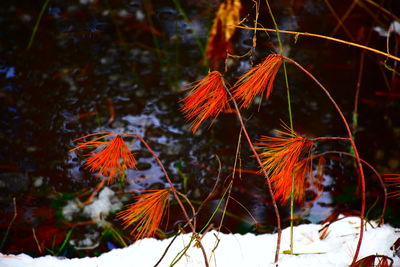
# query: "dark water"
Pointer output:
{"type": "Point", "coordinates": [120, 66]}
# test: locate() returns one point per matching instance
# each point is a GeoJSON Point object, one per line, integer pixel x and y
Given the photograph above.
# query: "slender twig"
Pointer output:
{"type": "Point", "coordinates": [185, 17]}
{"type": "Point", "coordinates": [384, 188]}
{"type": "Point", "coordinates": [10, 224]}
{"type": "Point", "coordinates": [232, 179]}
{"type": "Point", "coordinates": [335, 15]}
{"type": "Point", "coordinates": [179, 256]}
{"type": "Point", "coordinates": [194, 236]}
{"type": "Point", "coordinates": [167, 248]}
{"type": "Point", "coordinates": [323, 37]}
{"type": "Point", "coordinates": [36, 240]}
{"type": "Point", "coordinates": [257, 13]}
{"type": "Point", "coordinates": [212, 192]}
{"type": "Point", "coordinates": [393, 16]}
{"type": "Point", "coordinates": [289, 105]}
{"type": "Point", "coordinates": [329, 138]}
{"type": "Point", "coordinates": [245, 209]}
{"type": "Point", "coordinates": [35, 28]}
{"type": "Point", "coordinates": [229, 188]}
{"type": "Point", "coordinates": [278, 219]}
{"type": "Point", "coordinates": [174, 191]}
{"type": "Point", "coordinates": [344, 17]}
{"type": "Point", "coordinates": [357, 95]}
{"type": "Point", "coordinates": [195, 214]}
{"type": "Point", "coordinates": [191, 207]}
{"type": "Point", "coordinates": [99, 186]}
{"type": "Point", "coordinates": [356, 154]}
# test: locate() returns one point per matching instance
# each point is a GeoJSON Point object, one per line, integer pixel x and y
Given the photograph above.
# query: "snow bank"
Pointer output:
{"type": "Point", "coordinates": [240, 250]}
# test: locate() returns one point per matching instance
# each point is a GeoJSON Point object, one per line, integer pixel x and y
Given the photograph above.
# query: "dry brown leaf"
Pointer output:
{"type": "Point", "coordinates": [228, 14]}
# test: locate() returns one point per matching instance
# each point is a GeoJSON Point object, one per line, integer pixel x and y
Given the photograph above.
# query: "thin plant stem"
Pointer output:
{"type": "Point", "coordinates": [10, 224]}
{"type": "Point", "coordinates": [36, 27]}
{"type": "Point", "coordinates": [212, 192]}
{"type": "Point", "coordinates": [356, 154]}
{"type": "Point", "coordinates": [393, 16]}
{"type": "Point", "coordinates": [257, 4]}
{"type": "Point", "coordinates": [185, 17]}
{"type": "Point", "coordinates": [195, 214]}
{"type": "Point", "coordinates": [278, 219]}
{"type": "Point", "coordinates": [36, 240]}
{"type": "Point", "coordinates": [384, 188]}
{"type": "Point", "coordinates": [291, 244]}
{"type": "Point", "coordinates": [181, 253]}
{"type": "Point", "coordinates": [233, 178]}
{"type": "Point", "coordinates": [191, 207]}
{"type": "Point", "coordinates": [64, 242]}
{"type": "Point", "coordinates": [237, 154]}
{"type": "Point", "coordinates": [167, 248]}
{"type": "Point", "coordinates": [323, 37]}
{"type": "Point", "coordinates": [329, 138]}
{"type": "Point", "coordinates": [344, 17]}
{"type": "Point", "coordinates": [215, 211]}
{"type": "Point", "coordinates": [174, 191]}
{"type": "Point", "coordinates": [289, 105]}
{"type": "Point", "coordinates": [284, 66]}
{"type": "Point", "coordinates": [357, 95]}
{"type": "Point", "coordinates": [340, 23]}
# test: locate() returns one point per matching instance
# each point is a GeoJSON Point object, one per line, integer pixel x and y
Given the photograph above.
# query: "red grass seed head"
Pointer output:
{"type": "Point", "coordinates": [109, 158]}
{"type": "Point", "coordinates": [207, 98]}
{"type": "Point", "coordinates": [284, 156]}
{"type": "Point", "coordinates": [146, 213]}
{"type": "Point", "coordinates": [257, 80]}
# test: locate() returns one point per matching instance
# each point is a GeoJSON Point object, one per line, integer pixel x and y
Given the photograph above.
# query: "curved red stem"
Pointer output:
{"type": "Point", "coordinates": [385, 193]}
{"type": "Point", "coordinates": [173, 190]}
{"type": "Point", "coordinates": [356, 154]}
{"type": "Point", "coordinates": [278, 218]}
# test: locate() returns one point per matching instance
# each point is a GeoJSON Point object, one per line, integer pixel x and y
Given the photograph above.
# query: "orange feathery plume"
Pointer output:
{"type": "Point", "coordinates": [222, 30]}
{"type": "Point", "coordinates": [256, 80]}
{"type": "Point", "coordinates": [207, 98]}
{"type": "Point", "coordinates": [146, 213]}
{"type": "Point", "coordinates": [110, 158]}
{"type": "Point", "coordinates": [393, 180]}
{"type": "Point", "coordinates": [284, 156]}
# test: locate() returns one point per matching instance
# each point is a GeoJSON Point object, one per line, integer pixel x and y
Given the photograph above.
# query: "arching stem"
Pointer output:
{"type": "Point", "coordinates": [278, 219]}
{"type": "Point", "coordinates": [385, 193]}
{"type": "Point", "coordinates": [174, 191]}
{"type": "Point", "coordinates": [356, 154]}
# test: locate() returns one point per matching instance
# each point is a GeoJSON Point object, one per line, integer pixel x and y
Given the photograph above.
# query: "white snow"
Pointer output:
{"type": "Point", "coordinates": [102, 205]}
{"type": "Point", "coordinates": [240, 250]}
{"type": "Point", "coordinates": [394, 27]}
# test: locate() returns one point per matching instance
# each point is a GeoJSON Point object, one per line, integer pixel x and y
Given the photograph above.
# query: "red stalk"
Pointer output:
{"type": "Point", "coordinates": [356, 154]}
{"type": "Point", "coordinates": [278, 219]}
{"type": "Point", "coordinates": [173, 190]}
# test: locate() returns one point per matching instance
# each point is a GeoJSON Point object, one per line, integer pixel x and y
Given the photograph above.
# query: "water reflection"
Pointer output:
{"type": "Point", "coordinates": [119, 66]}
